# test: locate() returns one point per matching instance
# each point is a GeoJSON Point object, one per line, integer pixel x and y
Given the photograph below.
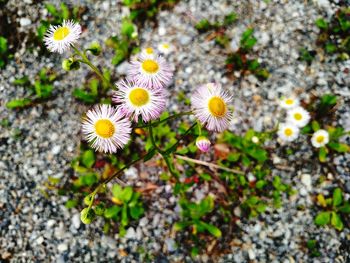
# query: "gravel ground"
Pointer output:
{"type": "Point", "coordinates": [42, 140]}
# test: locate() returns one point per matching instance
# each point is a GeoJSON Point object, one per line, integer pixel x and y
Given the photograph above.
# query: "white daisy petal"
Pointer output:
{"type": "Point", "coordinates": [106, 129]}
{"type": "Point", "coordinates": [288, 132]}
{"type": "Point", "coordinates": [165, 48]}
{"type": "Point", "coordinates": [60, 38]}
{"type": "Point", "coordinates": [298, 116]}
{"type": "Point", "coordinates": [151, 72]}
{"type": "Point", "coordinates": [136, 99]}
{"type": "Point", "coordinates": [210, 106]}
{"type": "Point", "coordinates": [289, 102]}
{"type": "Point", "coordinates": [320, 138]}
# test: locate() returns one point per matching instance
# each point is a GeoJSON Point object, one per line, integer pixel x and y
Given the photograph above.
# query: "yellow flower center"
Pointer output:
{"type": "Point", "coordinates": [150, 66]}
{"type": "Point", "coordinates": [320, 139]}
{"type": "Point", "coordinates": [139, 97]}
{"type": "Point", "coordinates": [217, 107]}
{"type": "Point", "coordinates": [166, 46]}
{"type": "Point", "coordinates": [298, 116]}
{"type": "Point", "coordinates": [288, 131]}
{"type": "Point", "coordinates": [104, 128]}
{"type": "Point", "coordinates": [149, 50]}
{"type": "Point", "coordinates": [61, 33]}
{"type": "Point", "coordinates": [289, 101]}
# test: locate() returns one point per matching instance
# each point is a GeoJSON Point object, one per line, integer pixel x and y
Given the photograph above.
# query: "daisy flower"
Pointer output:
{"type": "Point", "coordinates": [60, 38]}
{"type": "Point", "coordinates": [106, 129]}
{"type": "Point", "coordinates": [289, 103]}
{"type": "Point", "coordinates": [139, 100]}
{"type": "Point", "coordinates": [320, 138]}
{"type": "Point", "coordinates": [210, 106]}
{"type": "Point", "coordinates": [165, 48]}
{"type": "Point", "coordinates": [152, 72]}
{"type": "Point", "coordinates": [203, 144]}
{"type": "Point", "coordinates": [149, 52]}
{"type": "Point", "coordinates": [288, 132]}
{"type": "Point", "coordinates": [298, 116]}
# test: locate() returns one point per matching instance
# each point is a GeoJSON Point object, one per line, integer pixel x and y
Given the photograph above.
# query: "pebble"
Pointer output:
{"type": "Point", "coordinates": [25, 21]}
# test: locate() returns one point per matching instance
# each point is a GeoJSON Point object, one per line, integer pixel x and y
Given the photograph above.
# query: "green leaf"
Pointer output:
{"type": "Point", "coordinates": [322, 154]}
{"type": "Point", "coordinates": [329, 100]}
{"type": "Point", "coordinates": [345, 208]}
{"type": "Point", "coordinates": [112, 211]}
{"type": "Point", "coordinates": [125, 219]}
{"type": "Point", "coordinates": [330, 48]}
{"type": "Point", "coordinates": [212, 229]}
{"type": "Point", "coordinates": [88, 179]}
{"type": "Point", "coordinates": [3, 45]}
{"type": "Point", "coordinates": [84, 96]}
{"type": "Point", "coordinates": [88, 200]}
{"type": "Point", "coordinates": [253, 200]}
{"type": "Point", "coordinates": [337, 197]}
{"type": "Point", "coordinates": [100, 209]}
{"type": "Point", "coordinates": [322, 218]}
{"type": "Point", "coordinates": [88, 158]}
{"type": "Point", "coordinates": [51, 9]}
{"type": "Point", "coordinates": [261, 207]}
{"type": "Point", "coordinates": [230, 19]}
{"type": "Point", "coordinates": [19, 103]}
{"type": "Point", "coordinates": [71, 203]}
{"type": "Point", "coordinates": [64, 11]}
{"type": "Point", "coordinates": [116, 191]}
{"type": "Point", "coordinates": [260, 184]}
{"type": "Point", "coordinates": [337, 222]}
{"type": "Point", "coordinates": [136, 212]}
{"type": "Point", "coordinates": [127, 28]}
{"type": "Point", "coordinates": [321, 23]}
{"type": "Point", "coordinates": [126, 194]}
{"type": "Point", "coordinates": [21, 81]}
{"type": "Point", "coordinates": [315, 126]}
{"type": "Point", "coordinates": [339, 147]}
{"type": "Point", "coordinates": [149, 155]}
{"type": "Point", "coordinates": [205, 177]}
{"type": "Point", "coordinates": [203, 25]}
{"type": "Point", "coordinates": [181, 225]}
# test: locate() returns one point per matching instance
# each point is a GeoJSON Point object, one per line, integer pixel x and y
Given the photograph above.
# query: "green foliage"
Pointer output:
{"type": "Point", "coordinates": [334, 207]}
{"type": "Point", "coordinates": [193, 215]}
{"type": "Point", "coordinates": [204, 25]}
{"type": "Point", "coordinates": [313, 248]}
{"type": "Point", "coordinates": [4, 52]}
{"type": "Point", "coordinates": [334, 34]}
{"type": "Point", "coordinates": [239, 61]}
{"type": "Point", "coordinates": [40, 90]}
{"type": "Point", "coordinates": [94, 90]}
{"type": "Point", "coordinates": [307, 55]}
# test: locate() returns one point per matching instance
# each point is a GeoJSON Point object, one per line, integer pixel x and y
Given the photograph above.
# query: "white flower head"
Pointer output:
{"type": "Point", "coordinates": [153, 72]}
{"type": "Point", "coordinates": [106, 129]}
{"type": "Point", "coordinates": [165, 48]}
{"type": "Point", "coordinates": [320, 138]}
{"type": "Point", "coordinates": [60, 38]}
{"type": "Point", "coordinates": [148, 52]}
{"type": "Point", "coordinates": [210, 105]}
{"type": "Point", "coordinates": [136, 100]}
{"type": "Point", "coordinates": [289, 103]}
{"type": "Point", "coordinates": [288, 132]}
{"type": "Point", "coordinates": [298, 116]}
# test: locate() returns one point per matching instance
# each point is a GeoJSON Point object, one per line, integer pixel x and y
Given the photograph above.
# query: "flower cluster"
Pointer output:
{"type": "Point", "coordinates": [141, 96]}
{"type": "Point", "coordinates": [297, 118]}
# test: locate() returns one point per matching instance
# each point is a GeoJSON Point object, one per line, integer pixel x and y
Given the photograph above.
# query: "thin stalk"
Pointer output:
{"type": "Point", "coordinates": [210, 165]}
{"type": "Point", "coordinates": [174, 116]}
{"type": "Point", "coordinates": [153, 140]}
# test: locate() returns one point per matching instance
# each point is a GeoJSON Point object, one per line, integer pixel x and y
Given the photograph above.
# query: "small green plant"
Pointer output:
{"type": "Point", "coordinates": [334, 34]}
{"type": "Point", "coordinates": [336, 208]}
{"type": "Point", "coordinates": [4, 52]}
{"type": "Point", "coordinates": [239, 61]}
{"type": "Point", "coordinates": [313, 248]}
{"type": "Point", "coordinates": [40, 90]}
{"type": "Point", "coordinates": [307, 55]}
{"type": "Point", "coordinates": [94, 90]}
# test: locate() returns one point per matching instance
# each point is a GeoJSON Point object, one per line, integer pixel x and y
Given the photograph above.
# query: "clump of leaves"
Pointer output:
{"type": "Point", "coordinates": [219, 28]}
{"type": "Point", "coordinates": [335, 210]}
{"type": "Point", "coordinates": [307, 55]}
{"type": "Point", "coordinates": [313, 248]}
{"type": "Point", "coordinates": [324, 109]}
{"type": "Point", "coordinates": [261, 190]}
{"type": "Point", "coordinates": [4, 52]}
{"type": "Point", "coordinates": [94, 90]}
{"type": "Point", "coordinates": [239, 61]}
{"type": "Point", "coordinates": [40, 90]}
{"type": "Point", "coordinates": [334, 34]}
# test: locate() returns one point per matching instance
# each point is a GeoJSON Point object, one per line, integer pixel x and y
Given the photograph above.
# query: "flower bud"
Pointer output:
{"type": "Point", "coordinates": [203, 144]}
{"type": "Point", "coordinates": [255, 139]}
{"type": "Point", "coordinates": [95, 48]}
{"type": "Point", "coordinates": [70, 64]}
{"type": "Point", "coordinates": [87, 215]}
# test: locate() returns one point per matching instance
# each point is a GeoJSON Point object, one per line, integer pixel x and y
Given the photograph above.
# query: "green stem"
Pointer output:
{"type": "Point", "coordinates": [86, 61]}
{"type": "Point", "coordinates": [153, 140]}
{"type": "Point", "coordinates": [171, 148]}
{"type": "Point", "coordinates": [174, 116]}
